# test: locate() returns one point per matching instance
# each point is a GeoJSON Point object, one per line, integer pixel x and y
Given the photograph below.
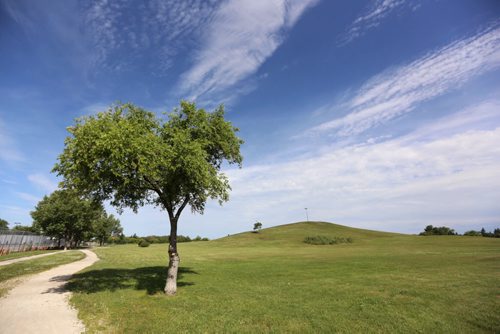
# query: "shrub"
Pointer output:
{"type": "Point", "coordinates": [473, 233]}
{"type": "Point", "coordinates": [144, 243]}
{"type": "Point", "coordinates": [324, 240]}
{"type": "Point", "coordinates": [442, 230]}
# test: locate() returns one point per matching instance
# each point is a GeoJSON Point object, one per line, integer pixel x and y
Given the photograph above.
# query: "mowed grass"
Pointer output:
{"type": "Point", "coordinates": [28, 267]}
{"type": "Point", "coordinates": [274, 282]}
{"type": "Point", "coordinates": [17, 255]}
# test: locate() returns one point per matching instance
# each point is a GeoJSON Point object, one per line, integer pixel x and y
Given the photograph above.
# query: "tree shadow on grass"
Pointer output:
{"type": "Point", "coordinates": [151, 279]}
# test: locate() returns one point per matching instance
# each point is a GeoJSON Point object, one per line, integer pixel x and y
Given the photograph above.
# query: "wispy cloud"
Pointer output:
{"type": "Point", "coordinates": [159, 26]}
{"type": "Point", "coordinates": [400, 90]}
{"type": "Point", "coordinates": [43, 182]}
{"type": "Point", "coordinates": [8, 148]}
{"type": "Point", "coordinates": [28, 197]}
{"type": "Point", "coordinates": [370, 19]}
{"type": "Point", "coordinates": [117, 35]}
{"type": "Point", "coordinates": [241, 36]}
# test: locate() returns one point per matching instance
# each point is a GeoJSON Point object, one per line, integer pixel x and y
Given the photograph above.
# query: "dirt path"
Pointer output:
{"type": "Point", "coordinates": [20, 259]}
{"type": "Point", "coordinates": [40, 304]}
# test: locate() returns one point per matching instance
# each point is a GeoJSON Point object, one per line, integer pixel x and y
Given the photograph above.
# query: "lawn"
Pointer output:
{"type": "Point", "coordinates": [16, 255]}
{"type": "Point", "coordinates": [28, 267]}
{"type": "Point", "coordinates": [274, 282]}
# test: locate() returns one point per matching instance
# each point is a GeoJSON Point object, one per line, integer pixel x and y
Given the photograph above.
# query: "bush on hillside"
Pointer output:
{"type": "Point", "coordinates": [473, 233]}
{"type": "Point", "coordinates": [324, 240]}
{"type": "Point", "coordinates": [442, 230]}
{"type": "Point", "coordinates": [144, 243]}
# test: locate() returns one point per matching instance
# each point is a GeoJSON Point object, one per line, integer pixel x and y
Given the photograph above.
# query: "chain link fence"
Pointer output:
{"type": "Point", "coordinates": [21, 241]}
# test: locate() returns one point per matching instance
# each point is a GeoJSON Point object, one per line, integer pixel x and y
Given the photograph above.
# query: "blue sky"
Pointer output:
{"type": "Point", "coordinates": [377, 114]}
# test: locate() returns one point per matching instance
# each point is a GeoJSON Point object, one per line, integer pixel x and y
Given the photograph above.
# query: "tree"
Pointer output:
{"type": "Point", "coordinates": [131, 157]}
{"type": "Point", "coordinates": [442, 230]}
{"type": "Point", "coordinates": [257, 226]}
{"type": "Point", "coordinates": [4, 225]}
{"type": "Point", "coordinates": [65, 215]}
{"type": "Point", "coordinates": [105, 227]}
{"type": "Point", "coordinates": [472, 233]}
{"type": "Point", "coordinates": [24, 228]}
{"type": "Point", "coordinates": [496, 233]}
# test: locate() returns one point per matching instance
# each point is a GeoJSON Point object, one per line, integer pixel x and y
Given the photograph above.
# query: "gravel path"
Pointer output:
{"type": "Point", "coordinates": [20, 259]}
{"type": "Point", "coordinates": [40, 304]}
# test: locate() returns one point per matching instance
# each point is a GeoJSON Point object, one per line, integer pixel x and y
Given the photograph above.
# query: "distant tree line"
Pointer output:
{"type": "Point", "coordinates": [483, 233]}
{"type": "Point", "coordinates": [443, 230]}
{"type": "Point", "coordinates": [152, 239]}
{"type": "Point", "coordinates": [70, 219]}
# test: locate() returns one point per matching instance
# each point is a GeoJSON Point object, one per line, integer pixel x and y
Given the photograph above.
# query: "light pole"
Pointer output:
{"type": "Point", "coordinates": [307, 215]}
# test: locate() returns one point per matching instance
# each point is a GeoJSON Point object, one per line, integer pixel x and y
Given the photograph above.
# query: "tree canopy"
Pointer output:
{"type": "Point", "coordinates": [130, 157]}
{"type": "Point", "coordinates": [105, 227]}
{"type": "Point", "coordinates": [4, 224]}
{"type": "Point", "coordinates": [65, 215]}
{"type": "Point", "coordinates": [434, 230]}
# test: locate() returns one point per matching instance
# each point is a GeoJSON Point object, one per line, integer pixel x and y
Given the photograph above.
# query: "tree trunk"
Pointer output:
{"type": "Point", "coordinates": [173, 263]}
{"type": "Point", "coordinates": [173, 267]}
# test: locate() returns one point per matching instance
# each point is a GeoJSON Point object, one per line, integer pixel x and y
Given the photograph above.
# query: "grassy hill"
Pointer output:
{"type": "Point", "coordinates": [296, 232]}
{"type": "Point", "coordinates": [273, 282]}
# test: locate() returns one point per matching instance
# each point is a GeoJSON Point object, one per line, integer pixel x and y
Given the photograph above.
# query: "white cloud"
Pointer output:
{"type": "Point", "coordinates": [43, 182]}
{"type": "Point", "coordinates": [94, 33]}
{"type": "Point", "coordinates": [160, 26]}
{"type": "Point", "coordinates": [400, 184]}
{"type": "Point", "coordinates": [444, 173]}
{"type": "Point", "coordinates": [372, 18]}
{"type": "Point", "coordinates": [241, 36]}
{"type": "Point", "coordinates": [398, 91]}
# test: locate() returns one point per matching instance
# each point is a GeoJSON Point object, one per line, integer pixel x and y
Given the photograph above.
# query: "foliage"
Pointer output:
{"type": "Point", "coordinates": [494, 234]}
{"type": "Point", "coordinates": [143, 243]}
{"type": "Point", "coordinates": [23, 228]}
{"type": "Point", "coordinates": [257, 227]}
{"type": "Point", "coordinates": [4, 224]}
{"type": "Point", "coordinates": [381, 283]}
{"type": "Point", "coordinates": [105, 227]}
{"type": "Point", "coordinates": [324, 240]}
{"type": "Point", "coordinates": [131, 157]}
{"type": "Point", "coordinates": [64, 214]}
{"type": "Point", "coordinates": [443, 230]}
{"type": "Point", "coordinates": [472, 233]}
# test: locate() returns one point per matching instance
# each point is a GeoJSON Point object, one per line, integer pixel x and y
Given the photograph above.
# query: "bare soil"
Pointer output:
{"type": "Point", "coordinates": [39, 304]}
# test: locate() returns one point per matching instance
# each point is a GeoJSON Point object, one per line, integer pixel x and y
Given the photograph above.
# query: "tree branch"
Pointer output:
{"type": "Point", "coordinates": [183, 205]}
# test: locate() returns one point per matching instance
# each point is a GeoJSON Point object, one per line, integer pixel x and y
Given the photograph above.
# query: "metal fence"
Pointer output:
{"type": "Point", "coordinates": [20, 241]}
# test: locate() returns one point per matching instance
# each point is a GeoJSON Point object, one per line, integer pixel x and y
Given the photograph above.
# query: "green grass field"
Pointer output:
{"type": "Point", "coordinates": [274, 282]}
{"type": "Point", "coordinates": [17, 255]}
{"type": "Point", "coordinates": [34, 266]}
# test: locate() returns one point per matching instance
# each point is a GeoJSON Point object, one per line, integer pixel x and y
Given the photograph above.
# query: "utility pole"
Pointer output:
{"type": "Point", "coordinates": [307, 215]}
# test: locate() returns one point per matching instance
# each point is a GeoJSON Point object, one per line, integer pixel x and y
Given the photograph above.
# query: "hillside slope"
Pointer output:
{"type": "Point", "coordinates": [296, 232]}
